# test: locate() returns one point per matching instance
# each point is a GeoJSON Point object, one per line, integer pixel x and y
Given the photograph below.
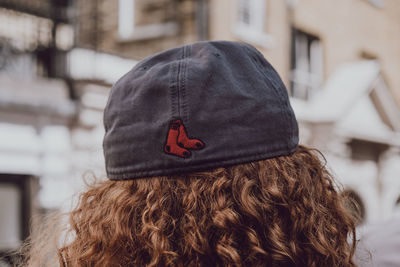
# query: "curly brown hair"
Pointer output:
{"type": "Point", "coordinates": [283, 211]}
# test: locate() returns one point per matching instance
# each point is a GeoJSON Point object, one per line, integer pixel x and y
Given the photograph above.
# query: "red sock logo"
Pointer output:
{"type": "Point", "coordinates": [178, 143]}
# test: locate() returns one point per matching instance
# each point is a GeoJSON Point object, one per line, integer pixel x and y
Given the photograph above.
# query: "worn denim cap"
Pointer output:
{"type": "Point", "coordinates": [197, 107]}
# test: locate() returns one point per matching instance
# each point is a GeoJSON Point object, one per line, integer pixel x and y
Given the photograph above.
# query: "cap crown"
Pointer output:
{"type": "Point", "coordinates": [225, 95]}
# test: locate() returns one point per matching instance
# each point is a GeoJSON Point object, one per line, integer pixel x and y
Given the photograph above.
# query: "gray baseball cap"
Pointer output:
{"type": "Point", "coordinates": [197, 107]}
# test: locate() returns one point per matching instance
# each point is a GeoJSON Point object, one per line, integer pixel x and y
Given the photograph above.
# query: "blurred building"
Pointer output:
{"type": "Point", "coordinates": [51, 99]}
{"type": "Point", "coordinates": [58, 59]}
{"type": "Point", "coordinates": [339, 60]}
{"type": "Point", "coordinates": [29, 107]}
{"type": "Point", "coordinates": [138, 28]}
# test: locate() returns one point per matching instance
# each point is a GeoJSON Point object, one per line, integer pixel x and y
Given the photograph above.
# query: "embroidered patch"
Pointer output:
{"type": "Point", "coordinates": [178, 143]}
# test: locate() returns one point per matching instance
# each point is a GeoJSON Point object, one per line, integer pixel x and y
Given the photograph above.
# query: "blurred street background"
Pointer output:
{"type": "Point", "coordinates": [340, 61]}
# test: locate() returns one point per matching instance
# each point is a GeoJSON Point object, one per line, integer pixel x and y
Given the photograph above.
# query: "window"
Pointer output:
{"type": "Point", "coordinates": [251, 13]}
{"type": "Point", "coordinates": [307, 65]}
{"type": "Point", "coordinates": [10, 211]}
{"type": "Point", "coordinates": [126, 18]}
{"type": "Point", "coordinates": [250, 22]}
{"type": "Point", "coordinates": [16, 195]}
{"type": "Point", "coordinates": [138, 20]}
{"type": "Point", "coordinates": [377, 3]}
{"type": "Point", "coordinates": [354, 205]}
{"type": "Point", "coordinates": [396, 211]}
{"type": "Point", "coordinates": [366, 150]}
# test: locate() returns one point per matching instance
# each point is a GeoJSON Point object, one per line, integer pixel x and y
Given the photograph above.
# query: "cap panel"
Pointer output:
{"type": "Point", "coordinates": [226, 96]}
{"type": "Point", "coordinates": [138, 112]}
{"type": "Point", "coordinates": [240, 114]}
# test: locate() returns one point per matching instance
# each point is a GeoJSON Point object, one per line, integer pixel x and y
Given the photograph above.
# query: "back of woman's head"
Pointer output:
{"type": "Point", "coordinates": [201, 149]}
{"type": "Point", "coordinates": [283, 211]}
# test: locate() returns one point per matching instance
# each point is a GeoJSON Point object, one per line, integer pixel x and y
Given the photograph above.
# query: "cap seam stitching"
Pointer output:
{"type": "Point", "coordinates": [184, 76]}
{"type": "Point", "coordinates": [279, 94]}
{"type": "Point", "coordinates": [173, 88]}
{"type": "Point", "coordinates": [178, 86]}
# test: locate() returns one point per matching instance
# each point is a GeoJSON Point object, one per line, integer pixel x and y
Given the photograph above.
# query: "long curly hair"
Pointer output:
{"type": "Point", "coordinates": [282, 211]}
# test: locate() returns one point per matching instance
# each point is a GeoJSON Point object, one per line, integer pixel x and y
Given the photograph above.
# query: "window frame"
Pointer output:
{"type": "Point", "coordinates": [129, 31]}
{"type": "Point", "coordinates": [126, 18]}
{"type": "Point", "coordinates": [253, 31]}
{"type": "Point", "coordinates": [307, 64]}
{"type": "Point", "coordinates": [377, 3]}
{"type": "Point", "coordinates": [23, 183]}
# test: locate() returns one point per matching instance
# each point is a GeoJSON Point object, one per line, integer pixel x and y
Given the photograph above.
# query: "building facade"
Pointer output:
{"type": "Point", "coordinates": [139, 28]}
{"type": "Point", "coordinates": [51, 106]}
{"type": "Point", "coordinates": [338, 60]}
